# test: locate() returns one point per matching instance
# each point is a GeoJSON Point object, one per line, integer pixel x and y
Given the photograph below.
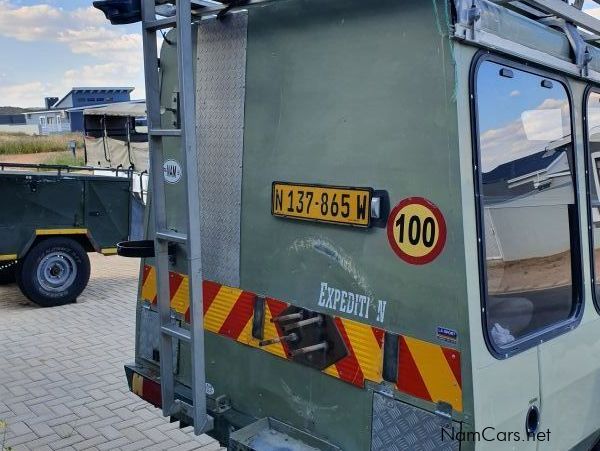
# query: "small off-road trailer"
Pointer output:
{"type": "Point", "coordinates": [50, 218]}
{"type": "Point", "coordinates": [375, 224]}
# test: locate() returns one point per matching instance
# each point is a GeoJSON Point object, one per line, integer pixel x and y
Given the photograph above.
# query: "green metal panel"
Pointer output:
{"type": "Point", "coordinates": [262, 385]}
{"type": "Point", "coordinates": [107, 210]}
{"type": "Point", "coordinates": [355, 96]}
{"type": "Point", "coordinates": [33, 201]}
{"type": "Point", "coordinates": [339, 93]}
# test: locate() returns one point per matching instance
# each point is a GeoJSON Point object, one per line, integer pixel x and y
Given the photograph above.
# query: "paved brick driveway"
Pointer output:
{"type": "Point", "coordinates": [62, 385]}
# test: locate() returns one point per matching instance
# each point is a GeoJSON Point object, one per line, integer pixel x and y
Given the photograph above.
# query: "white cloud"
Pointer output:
{"type": "Point", "coordinates": [104, 43]}
{"type": "Point", "coordinates": [29, 23]}
{"type": "Point", "coordinates": [515, 93]}
{"type": "Point", "coordinates": [85, 31]}
{"type": "Point", "coordinates": [109, 74]}
{"type": "Point", "coordinates": [510, 142]}
{"type": "Point", "coordinates": [23, 94]}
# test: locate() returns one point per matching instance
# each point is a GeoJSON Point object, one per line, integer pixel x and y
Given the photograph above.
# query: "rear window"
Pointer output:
{"type": "Point", "coordinates": [528, 213]}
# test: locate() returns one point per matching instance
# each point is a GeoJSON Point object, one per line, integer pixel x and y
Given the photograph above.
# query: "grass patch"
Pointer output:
{"type": "Point", "coordinates": [20, 143]}
{"type": "Point", "coordinates": [65, 159]}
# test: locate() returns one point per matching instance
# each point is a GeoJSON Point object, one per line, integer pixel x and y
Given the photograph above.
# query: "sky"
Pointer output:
{"type": "Point", "coordinates": [50, 46]}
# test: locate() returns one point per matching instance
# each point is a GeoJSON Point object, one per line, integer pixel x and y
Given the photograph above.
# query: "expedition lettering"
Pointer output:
{"type": "Point", "coordinates": [352, 303]}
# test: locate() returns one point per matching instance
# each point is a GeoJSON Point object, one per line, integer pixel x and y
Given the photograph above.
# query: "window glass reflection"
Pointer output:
{"type": "Point", "coordinates": [528, 200]}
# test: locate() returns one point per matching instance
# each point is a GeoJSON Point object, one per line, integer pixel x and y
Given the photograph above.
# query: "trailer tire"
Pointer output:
{"type": "Point", "coordinates": [8, 272]}
{"type": "Point", "coordinates": [54, 272]}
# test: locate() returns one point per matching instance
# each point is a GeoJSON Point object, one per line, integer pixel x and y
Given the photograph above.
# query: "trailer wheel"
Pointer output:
{"type": "Point", "coordinates": [8, 271]}
{"type": "Point", "coordinates": [54, 272]}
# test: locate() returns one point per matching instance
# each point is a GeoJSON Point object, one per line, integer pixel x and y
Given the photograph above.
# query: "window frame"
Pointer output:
{"type": "Point", "coordinates": [589, 90]}
{"type": "Point", "coordinates": [553, 330]}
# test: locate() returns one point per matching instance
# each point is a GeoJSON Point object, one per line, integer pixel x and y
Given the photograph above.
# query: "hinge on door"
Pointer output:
{"type": "Point", "coordinates": [174, 109]}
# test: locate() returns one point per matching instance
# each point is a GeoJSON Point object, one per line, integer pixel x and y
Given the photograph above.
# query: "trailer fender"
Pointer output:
{"type": "Point", "coordinates": [82, 235]}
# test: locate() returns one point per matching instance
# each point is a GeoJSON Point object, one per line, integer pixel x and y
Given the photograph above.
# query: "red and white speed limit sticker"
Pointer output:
{"type": "Point", "coordinates": [416, 230]}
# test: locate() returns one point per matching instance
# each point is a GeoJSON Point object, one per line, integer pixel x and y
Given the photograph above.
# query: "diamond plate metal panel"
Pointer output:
{"type": "Point", "coordinates": [220, 95]}
{"type": "Point", "coordinates": [398, 426]}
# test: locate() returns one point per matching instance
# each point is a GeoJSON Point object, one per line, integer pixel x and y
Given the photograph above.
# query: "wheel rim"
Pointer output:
{"type": "Point", "coordinates": [56, 271]}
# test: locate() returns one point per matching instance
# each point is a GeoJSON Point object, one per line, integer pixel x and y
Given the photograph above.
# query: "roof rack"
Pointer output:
{"type": "Point", "coordinates": [581, 29]}
{"type": "Point", "coordinates": [558, 8]}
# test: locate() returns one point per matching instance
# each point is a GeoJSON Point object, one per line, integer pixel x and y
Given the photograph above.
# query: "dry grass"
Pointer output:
{"type": "Point", "coordinates": [20, 143]}
{"type": "Point", "coordinates": [65, 159]}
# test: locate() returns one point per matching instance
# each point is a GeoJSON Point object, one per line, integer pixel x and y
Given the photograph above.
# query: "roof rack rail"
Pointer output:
{"type": "Point", "coordinates": [581, 29]}
{"type": "Point", "coordinates": [558, 8]}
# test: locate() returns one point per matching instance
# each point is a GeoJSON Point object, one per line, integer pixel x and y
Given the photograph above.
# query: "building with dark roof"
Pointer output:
{"type": "Point", "coordinates": [58, 117]}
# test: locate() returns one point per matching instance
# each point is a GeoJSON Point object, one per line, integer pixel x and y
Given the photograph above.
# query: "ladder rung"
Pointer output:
{"type": "Point", "coordinates": [177, 332]}
{"type": "Point", "coordinates": [159, 24]}
{"type": "Point", "coordinates": [172, 237]}
{"type": "Point", "coordinates": [164, 132]}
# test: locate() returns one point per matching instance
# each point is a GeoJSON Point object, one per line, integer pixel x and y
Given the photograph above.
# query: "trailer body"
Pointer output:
{"type": "Point", "coordinates": [42, 203]}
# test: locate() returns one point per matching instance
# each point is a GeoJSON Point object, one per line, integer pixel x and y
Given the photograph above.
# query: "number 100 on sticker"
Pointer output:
{"type": "Point", "coordinates": [332, 204]}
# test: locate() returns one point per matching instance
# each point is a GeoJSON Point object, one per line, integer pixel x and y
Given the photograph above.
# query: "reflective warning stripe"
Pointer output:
{"type": "Point", "coordinates": [426, 370]}
{"type": "Point", "coordinates": [109, 251]}
{"type": "Point", "coordinates": [429, 371]}
{"type": "Point", "coordinates": [61, 231]}
{"type": "Point", "coordinates": [8, 257]}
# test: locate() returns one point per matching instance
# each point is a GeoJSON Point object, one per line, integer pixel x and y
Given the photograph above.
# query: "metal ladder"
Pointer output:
{"type": "Point", "coordinates": [164, 238]}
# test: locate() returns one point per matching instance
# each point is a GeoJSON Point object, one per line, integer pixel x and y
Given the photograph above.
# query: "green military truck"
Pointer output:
{"type": "Point", "coordinates": [374, 225]}
{"type": "Point", "coordinates": [51, 217]}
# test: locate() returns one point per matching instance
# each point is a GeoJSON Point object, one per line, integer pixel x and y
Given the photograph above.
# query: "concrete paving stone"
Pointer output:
{"type": "Point", "coordinates": [61, 409]}
{"type": "Point", "coordinates": [66, 442]}
{"type": "Point", "coordinates": [162, 446]}
{"type": "Point", "coordinates": [110, 433]}
{"type": "Point", "coordinates": [62, 381]}
{"type": "Point", "coordinates": [41, 429]}
{"type": "Point", "coordinates": [106, 421]}
{"type": "Point", "coordinates": [87, 420]}
{"type": "Point", "coordinates": [82, 411]}
{"type": "Point", "coordinates": [87, 431]}
{"type": "Point", "coordinates": [14, 441]}
{"type": "Point", "coordinates": [90, 443]}
{"type": "Point", "coordinates": [66, 419]}
{"type": "Point", "coordinates": [133, 434]}
{"type": "Point", "coordinates": [37, 405]}
{"type": "Point", "coordinates": [155, 435]}
{"type": "Point", "coordinates": [41, 448]}
{"type": "Point", "coordinates": [65, 429]}
{"type": "Point", "coordinates": [18, 428]}
{"type": "Point", "coordinates": [137, 445]}
{"type": "Point", "coordinates": [19, 408]}
{"type": "Point", "coordinates": [113, 444]}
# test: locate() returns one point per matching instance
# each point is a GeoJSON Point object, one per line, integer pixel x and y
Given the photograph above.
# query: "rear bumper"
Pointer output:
{"type": "Point", "coordinates": [145, 383]}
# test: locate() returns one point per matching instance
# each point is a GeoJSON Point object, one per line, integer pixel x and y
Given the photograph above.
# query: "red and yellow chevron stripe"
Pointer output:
{"type": "Point", "coordinates": [228, 311]}
{"type": "Point", "coordinates": [427, 371]}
